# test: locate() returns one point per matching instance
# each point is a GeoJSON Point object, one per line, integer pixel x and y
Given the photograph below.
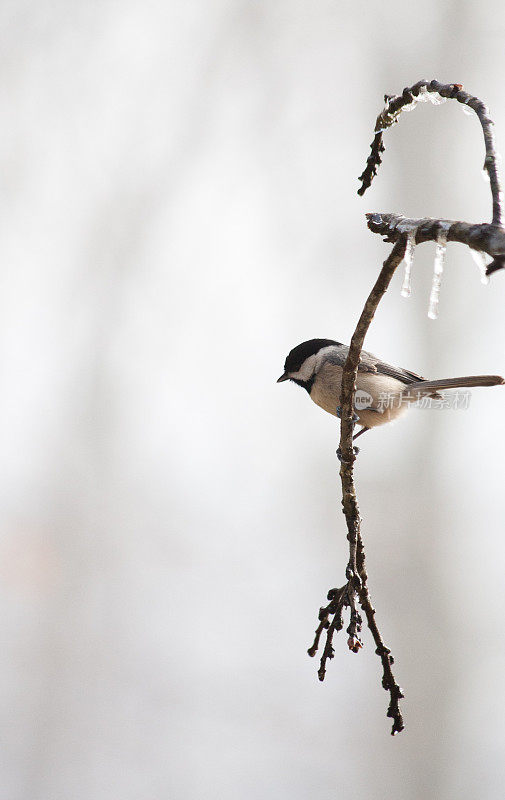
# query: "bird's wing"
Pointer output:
{"type": "Point", "coordinates": [370, 363]}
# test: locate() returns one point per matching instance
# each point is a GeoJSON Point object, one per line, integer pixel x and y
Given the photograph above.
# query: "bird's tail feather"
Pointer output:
{"type": "Point", "coordinates": [466, 382]}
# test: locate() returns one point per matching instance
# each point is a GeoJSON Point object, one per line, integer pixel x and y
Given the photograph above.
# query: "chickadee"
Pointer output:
{"type": "Point", "coordinates": [317, 365]}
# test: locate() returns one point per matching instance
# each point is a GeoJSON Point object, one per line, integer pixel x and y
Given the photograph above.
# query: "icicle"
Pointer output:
{"type": "Point", "coordinates": [485, 175]}
{"type": "Point", "coordinates": [482, 260]}
{"type": "Point", "coordinates": [407, 260]}
{"type": "Point", "coordinates": [438, 269]}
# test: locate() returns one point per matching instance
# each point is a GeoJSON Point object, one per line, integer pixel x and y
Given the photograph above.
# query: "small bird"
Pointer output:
{"type": "Point", "coordinates": [383, 392]}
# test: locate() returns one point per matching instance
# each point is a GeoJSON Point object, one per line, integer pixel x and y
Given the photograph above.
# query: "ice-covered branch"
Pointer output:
{"type": "Point", "coordinates": [481, 237]}
{"type": "Point", "coordinates": [436, 92]}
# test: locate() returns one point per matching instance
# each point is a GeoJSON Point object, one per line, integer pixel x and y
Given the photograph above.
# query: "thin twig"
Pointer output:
{"type": "Point", "coordinates": [485, 237]}
{"type": "Point", "coordinates": [452, 91]}
{"type": "Point", "coordinates": [388, 680]}
{"type": "Point", "coordinates": [349, 500]}
{"type": "Point", "coordinates": [357, 579]}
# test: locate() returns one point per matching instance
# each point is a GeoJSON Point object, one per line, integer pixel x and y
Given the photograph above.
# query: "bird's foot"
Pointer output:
{"type": "Point", "coordinates": [338, 412]}
{"type": "Point", "coordinates": [339, 453]}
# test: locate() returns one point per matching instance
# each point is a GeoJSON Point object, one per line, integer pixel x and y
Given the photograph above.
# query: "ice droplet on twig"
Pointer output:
{"type": "Point", "coordinates": [467, 111]}
{"type": "Point", "coordinates": [407, 260]}
{"type": "Point", "coordinates": [438, 269]}
{"type": "Point", "coordinates": [482, 260]}
{"type": "Point", "coordinates": [425, 96]}
{"type": "Point", "coordinates": [485, 175]}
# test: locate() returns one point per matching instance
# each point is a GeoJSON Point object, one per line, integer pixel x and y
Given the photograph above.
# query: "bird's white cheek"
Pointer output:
{"type": "Point", "coordinates": [306, 371]}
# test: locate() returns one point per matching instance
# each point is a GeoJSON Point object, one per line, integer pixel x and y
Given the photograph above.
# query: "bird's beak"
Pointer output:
{"type": "Point", "coordinates": [284, 377]}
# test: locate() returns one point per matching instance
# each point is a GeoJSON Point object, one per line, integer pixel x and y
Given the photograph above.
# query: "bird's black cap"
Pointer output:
{"type": "Point", "coordinates": [298, 354]}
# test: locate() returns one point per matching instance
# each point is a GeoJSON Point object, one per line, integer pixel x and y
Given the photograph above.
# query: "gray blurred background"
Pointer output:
{"type": "Point", "coordinates": [179, 209]}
